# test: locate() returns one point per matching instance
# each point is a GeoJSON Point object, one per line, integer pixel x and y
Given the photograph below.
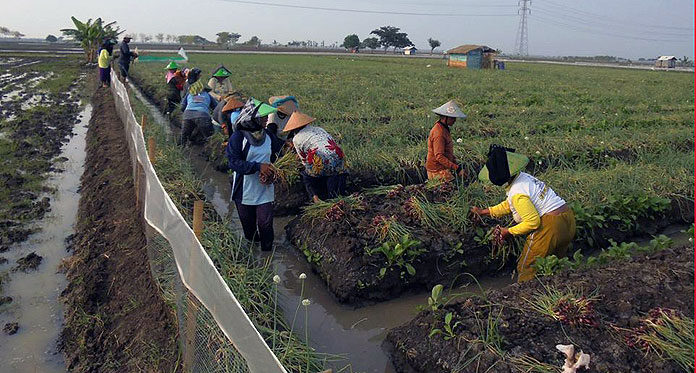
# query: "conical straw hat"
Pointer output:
{"type": "Point", "coordinates": [284, 104]}
{"type": "Point", "coordinates": [298, 120]}
{"type": "Point", "coordinates": [450, 109]}
{"type": "Point", "coordinates": [232, 105]}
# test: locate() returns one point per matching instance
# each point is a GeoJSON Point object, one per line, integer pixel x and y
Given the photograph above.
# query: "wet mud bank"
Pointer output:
{"type": "Point", "coordinates": [115, 318]}
{"type": "Point", "coordinates": [384, 242]}
{"type": "Point", "coordinates": [605, 311]}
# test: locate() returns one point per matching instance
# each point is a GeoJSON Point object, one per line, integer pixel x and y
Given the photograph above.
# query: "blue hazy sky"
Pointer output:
{"type": "Point", "coordinates": [627, 28]}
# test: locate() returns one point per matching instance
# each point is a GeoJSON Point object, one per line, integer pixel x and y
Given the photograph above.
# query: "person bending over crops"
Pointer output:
{"type": "Point", "coordinates": [226, 114]}
{"type": "Point", "coordinates": [175, 83]}
{"type": "Point", "coordinates": [286, 105]}
{"type": "Point", "coordinates": [125, 57]}
{"type": "Point", "coordinates": [250, 152]}
{"type": "Point", "coordinates": [196, 106]}
{"type": "Point", "coordinates": [104, 61]}
{"type": "Point", "coordinates": [440, 161]}
{"type": "Point", "coordinates": [324, 174]}
{"type": "Point", "coordinates": [219, 83]}
{"type": "Point", "coordinates": [535, 207]}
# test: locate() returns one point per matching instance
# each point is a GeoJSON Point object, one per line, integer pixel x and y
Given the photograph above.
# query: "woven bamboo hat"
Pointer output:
{"type": "Point", "coordinates": [172, 66]}
{"type": "Point", "coordinates": [298, 120]}
{"type": "Point", "coordinates": [222, 72]}
{"type": "Point", "coordinates": [450, 109]}
{"type": "Point", "coordinates": [232, 105]}
{"type": "Point", "coordinates": [516, 163]}
{"type": "Point", "coordinates": [264, 108]}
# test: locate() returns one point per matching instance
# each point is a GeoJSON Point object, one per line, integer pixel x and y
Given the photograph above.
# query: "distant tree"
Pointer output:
{"type": "Point", "coordinates": [225, 38]}
{"type": "Point", "coordinates": [5, 31]}
{"type": "Point", "coordinates": [172, 38]}
{"type": "Point", "coordinates": [145, 38]}
{"type": "Point", "coordinates": [193, 39]}
{"type": "Point", "coordinates": [372, 43]}
{"type": "Point", "coordinates": [402, 41]}
{"type": "Point", "coordinates": [254, 41]}
{"type": "Point", "coordinates": [685, 62]}
{"type": "Point", "coordinates": [389, 36]}
{"type": "Point", "coordinates": [351, 41]}
{"type": "Point", "coordinates": [160, 37]}
{"type": "Point", "coordinates": [433, 44]}
{"type": "Point", "coordinates": [90, 35]}
{"type": "Point", "coordinates": [51, 38]}
{"type": "Point", "coordinates": [17, 35]}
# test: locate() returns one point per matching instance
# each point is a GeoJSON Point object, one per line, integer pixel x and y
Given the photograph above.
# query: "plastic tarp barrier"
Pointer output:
{"type": "Point", "coordinates": [195, 268]}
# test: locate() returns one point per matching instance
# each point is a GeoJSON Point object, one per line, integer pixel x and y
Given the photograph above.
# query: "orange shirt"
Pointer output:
{"type": "Point", "coordinates": [440, 149]}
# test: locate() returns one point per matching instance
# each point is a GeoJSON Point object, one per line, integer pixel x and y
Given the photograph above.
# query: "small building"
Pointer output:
{"type": "Point", "coordinates": [410, 50]}
{"type": "Point", "coordinates": [668, 62]}
{"type": "Point", "coordinates": [471, 56]}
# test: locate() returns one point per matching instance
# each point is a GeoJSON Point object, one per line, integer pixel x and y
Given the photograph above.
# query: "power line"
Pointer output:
{"type": "Point", "coordinates": [598, 16]}
{"type": "Point", "coordinates": [595, 23]}
{"type": "Point", "coordinates": [364, 11]}
{"type": "Point", "coordinates": [596, 32]}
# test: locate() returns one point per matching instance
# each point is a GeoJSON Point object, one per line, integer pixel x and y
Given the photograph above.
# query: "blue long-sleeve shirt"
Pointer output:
{"type": "Point", "coordinates": [197, 106]}
{"type": "Point", "coordinates": [125, 54]}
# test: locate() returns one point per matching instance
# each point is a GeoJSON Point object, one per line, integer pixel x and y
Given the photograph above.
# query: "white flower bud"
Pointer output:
{"type": "Point", "coordinates": [303, 276]}
{"type": "Point", "coordinates": [306, 302]}
{"type": "Point", "coordinates": [459, 140]}
{"type": "Point", "coordinates": [526, 137]}
{"type": "Point", "coordinates": [276, 279]}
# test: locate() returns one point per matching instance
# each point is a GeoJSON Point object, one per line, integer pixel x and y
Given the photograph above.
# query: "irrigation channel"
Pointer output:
{"type": "Point", "coordinates": [36, 306]}
{"type": "Point", "coordinates": [353, 335]}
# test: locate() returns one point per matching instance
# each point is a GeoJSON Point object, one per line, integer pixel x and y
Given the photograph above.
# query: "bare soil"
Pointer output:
{"type": "Point", "coordinates": [116, 320]}
{"type": "Point", "coordinates": [627, 291]}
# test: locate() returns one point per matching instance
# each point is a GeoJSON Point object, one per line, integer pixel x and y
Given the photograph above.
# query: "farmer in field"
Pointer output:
{"type": "Point", "coordinates": [250, 152]}
{"type": "Point", "coordinates": [175, 83]}
{"type": "Point", "coordinates": [324, 174]}
{"type": "Point", "coordinates": [538, 211]}
{"type": "Point", "coordinates": [196, 105]}
{"type": "Point", "coordinates": [286, 105]}
{"type": "Point", "coordinates": [104, 61]}
{"type": "Point", "coordinates": [125, 57]}
{"type": "Point", "coordinates": [219, 83]}
{"type": "Point", "coordinates": [227, 112]}
{"type": "Point", "coordinates": [440, 162]}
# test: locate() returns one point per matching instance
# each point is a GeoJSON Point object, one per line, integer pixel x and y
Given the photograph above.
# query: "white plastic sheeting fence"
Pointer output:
{"type": "Point", "coordinates": [195, 269]}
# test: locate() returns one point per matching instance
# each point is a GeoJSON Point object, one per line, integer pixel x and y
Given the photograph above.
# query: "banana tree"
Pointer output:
{"type": "Point", "coordinates": [91, 34]}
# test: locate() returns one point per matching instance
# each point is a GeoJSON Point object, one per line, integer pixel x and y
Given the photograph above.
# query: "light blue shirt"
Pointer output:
{"type": "Point", "coordinates": [254, 193]}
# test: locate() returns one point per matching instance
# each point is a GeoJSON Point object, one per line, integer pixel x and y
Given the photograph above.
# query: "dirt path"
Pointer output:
{"type": "Point", "coordinates": [115, 318]}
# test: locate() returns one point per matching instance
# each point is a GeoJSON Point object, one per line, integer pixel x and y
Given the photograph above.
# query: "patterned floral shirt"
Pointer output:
{"type": "Point", "coordinates": [320, 154]}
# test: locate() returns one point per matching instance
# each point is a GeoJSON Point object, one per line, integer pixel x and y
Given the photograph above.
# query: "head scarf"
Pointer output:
{"type": "Point", "coordinates": [497, 164]}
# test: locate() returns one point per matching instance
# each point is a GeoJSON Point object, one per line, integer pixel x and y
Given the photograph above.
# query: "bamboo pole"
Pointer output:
{"type": "Point", "coordinates": [151, 149]}
{"type": "Point", "coordinates": [198, 218]}
{"type": "Point", "coordinates": [143, 122]}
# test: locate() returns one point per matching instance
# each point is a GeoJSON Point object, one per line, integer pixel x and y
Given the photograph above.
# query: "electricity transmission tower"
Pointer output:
{"type": "Point", "coordinates": [522, 42]}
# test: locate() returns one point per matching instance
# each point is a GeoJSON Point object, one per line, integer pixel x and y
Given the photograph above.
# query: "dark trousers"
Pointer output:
{"type": "Point", "coordinates": [124, 69]}
{"type": "Point", "coordinates": [196, 130]}
{"type": "Point", "coordinates": [325, 186]}
{"type": "Point", "coordinates": [257, 222]}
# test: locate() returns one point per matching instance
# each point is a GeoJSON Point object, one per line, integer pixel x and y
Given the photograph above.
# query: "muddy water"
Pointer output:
{"type": "Point", "coordinates": [35, 305]}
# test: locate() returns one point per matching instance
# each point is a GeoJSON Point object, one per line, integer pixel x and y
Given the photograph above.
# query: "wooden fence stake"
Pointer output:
{"type": "Point", "coordinates": [151, 149]}
{"type": "Point", "coordinates": [198, 218]}
{"type": "Point", "coordinates": [191, 308]}
{"type": "Point", "coordinates": [143, 123]}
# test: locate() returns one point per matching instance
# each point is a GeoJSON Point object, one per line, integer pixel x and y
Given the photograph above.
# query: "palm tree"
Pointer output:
{"type": "Point", "coordinates": [91, 35]}
{"type": "Point", "coordinates": [685, 61]}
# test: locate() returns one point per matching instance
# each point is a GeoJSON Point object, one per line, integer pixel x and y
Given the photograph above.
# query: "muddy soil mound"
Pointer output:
{"type": "Point", "coordinates": [116, 320]}
{"type": "Point", "coordinates": [344, 249]}
{"type": "Point", "coordinates": [627, 291]}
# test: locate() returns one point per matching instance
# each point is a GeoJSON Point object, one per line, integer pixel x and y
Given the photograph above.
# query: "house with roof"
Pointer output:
{"type": "Point", "coordinates": [471, 56]}
{"type": "Point", "coordinates": [410, 50]}
{"type": "Point", "coordinates": [668, 62]}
